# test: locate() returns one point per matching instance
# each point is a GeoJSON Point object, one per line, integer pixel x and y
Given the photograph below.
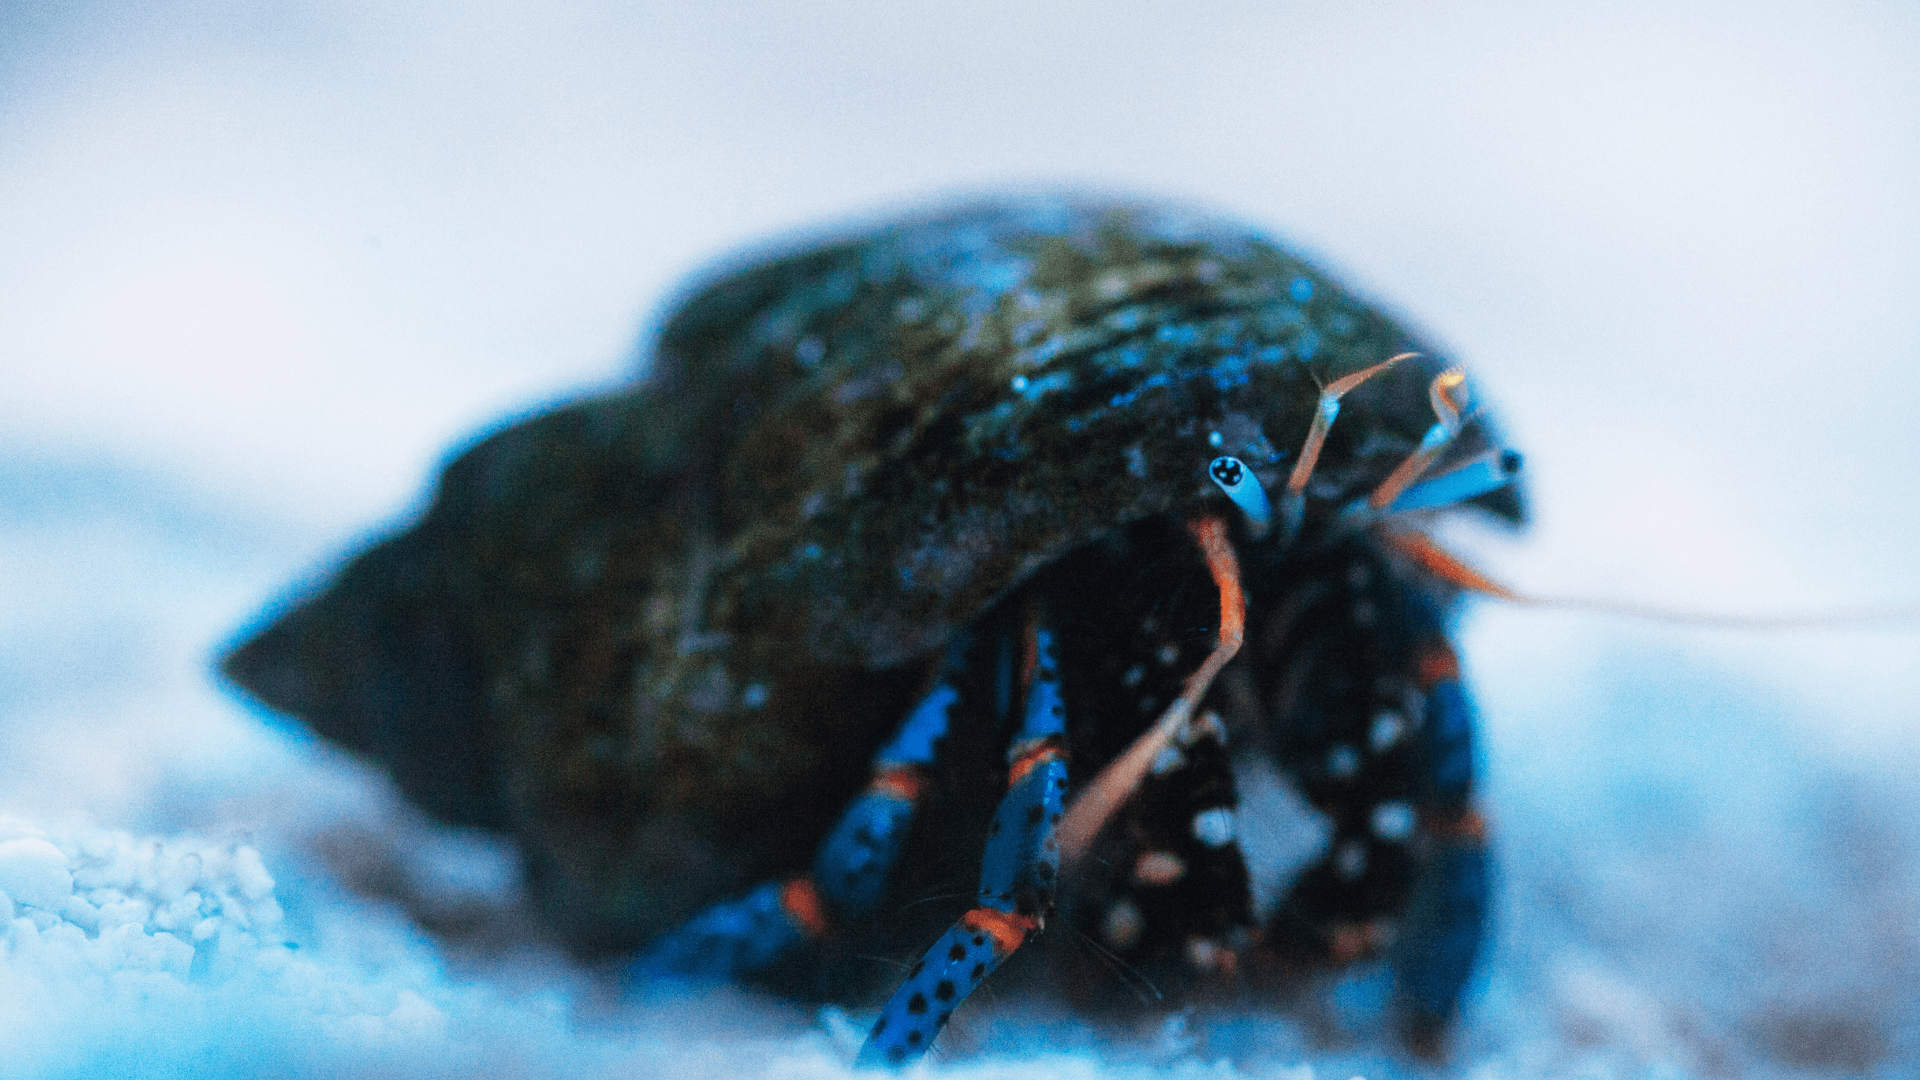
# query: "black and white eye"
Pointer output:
{"type": "Point", "coordinates": [1243, 488]}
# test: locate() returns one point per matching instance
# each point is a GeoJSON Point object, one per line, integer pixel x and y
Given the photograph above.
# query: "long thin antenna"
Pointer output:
{"type": "Point", "coordinates": [1447, 567]}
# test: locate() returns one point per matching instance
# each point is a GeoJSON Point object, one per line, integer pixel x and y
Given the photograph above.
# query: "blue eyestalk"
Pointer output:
{"type": "Point", "coordinates": [1244, 489]}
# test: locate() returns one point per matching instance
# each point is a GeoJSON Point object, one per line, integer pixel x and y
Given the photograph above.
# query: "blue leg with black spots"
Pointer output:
{"type": "Point", "coordinates": [1446, 920]}
{"type": "Point", "coordinates": [1444, 930]}
{"type": "Point", "coordinates": [1018, 874]}
{"type": "Point", "coordinates": [749, 935]}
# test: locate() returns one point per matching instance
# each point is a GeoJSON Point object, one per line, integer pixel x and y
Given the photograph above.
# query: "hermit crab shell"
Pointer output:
{"type": "Point", "coordinates": [657, 634]}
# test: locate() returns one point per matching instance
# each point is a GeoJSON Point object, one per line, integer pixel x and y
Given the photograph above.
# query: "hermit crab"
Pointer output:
{"type": "Point", "coordinates": [939, 584]}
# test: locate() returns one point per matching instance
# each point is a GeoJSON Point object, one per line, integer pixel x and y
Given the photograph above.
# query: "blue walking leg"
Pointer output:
{"type": "Point", "coordinates": [1446, 919]}
{"type": "Point", "coordinates": [1017, 877]}
{"type": "Point", "coordinates": [750, 934]}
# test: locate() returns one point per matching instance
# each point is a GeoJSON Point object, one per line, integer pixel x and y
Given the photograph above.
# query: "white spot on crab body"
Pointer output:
{"type": "Point", "coordinates": [1343, 762]}
{"type": "Point", "coordinates": [1351, 860]}
{"type": "Point", "coordinates": [1204, 953]}
{"type": "Point", "coordinates": [1159, 868]}
{"type": "Point", "coordinates": [1215, 827]}
{"type": "Point", "coordinates": [754, 696]}
{"type": "Point", "coordinates": [1122, 924]}
{"type": "Point", "coordinates": [1388, 727]}
{"type": "Point", "coordinates": [1393, 821]}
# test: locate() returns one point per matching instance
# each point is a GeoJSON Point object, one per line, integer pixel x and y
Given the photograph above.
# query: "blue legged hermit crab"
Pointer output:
{"type": "Point", "coordinates": [952, 574]}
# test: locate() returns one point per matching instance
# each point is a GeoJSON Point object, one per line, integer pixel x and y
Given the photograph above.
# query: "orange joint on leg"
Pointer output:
{"type": "Point", "coordinates": [1031, 757]}
{"type": "Point", "coordinates": [1436, 664]}
{"type": "Point", "coordinates": [902, 782]}
{"type": "Point", "coordinates": [1008, 930]}
{"type": "Point", "coordinates": [1351, 941]}
{"type": "Point", "coordinates": [800, 898]}
{"type": "Point", "coordinates": [1467, 826]}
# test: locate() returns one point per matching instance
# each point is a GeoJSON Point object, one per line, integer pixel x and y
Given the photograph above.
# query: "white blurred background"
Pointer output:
{"type": "Point", "coordinates": [263, 265]}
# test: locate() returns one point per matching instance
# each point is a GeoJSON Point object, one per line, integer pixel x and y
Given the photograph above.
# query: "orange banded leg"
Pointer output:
{"type": "Point", "coordinates": [1017, 876]}
{"type": "Point", "coordinates": [1445, 923]}
{"type": "Point", "coordinates": [1021, 865]}
{"type": "Point", "coordinates": [751, 935]}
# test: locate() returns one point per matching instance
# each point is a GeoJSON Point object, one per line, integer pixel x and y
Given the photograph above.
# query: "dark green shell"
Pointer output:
{"type": "Point", "coordinates": [656, 634]}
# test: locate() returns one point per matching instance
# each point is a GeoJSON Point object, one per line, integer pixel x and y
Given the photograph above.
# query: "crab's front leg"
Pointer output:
{"type": "Point", "coordinates": [1017, 875]}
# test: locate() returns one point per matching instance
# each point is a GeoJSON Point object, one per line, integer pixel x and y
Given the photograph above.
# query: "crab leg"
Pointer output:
{"type": "Point", "coordinates": [749, 934]}
{"type": "Point", "coordinates": [1017, 876]}
{"type": "Point", "coordinates": [1445, 925]}
{"type": "Point", "coordinates": [1121, 778]}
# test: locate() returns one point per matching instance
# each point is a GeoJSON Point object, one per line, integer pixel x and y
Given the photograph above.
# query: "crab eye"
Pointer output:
{"type": "Point", "coordinates": [1243, 488]}
{"type": "Point", "coordinates": [1477, 477]}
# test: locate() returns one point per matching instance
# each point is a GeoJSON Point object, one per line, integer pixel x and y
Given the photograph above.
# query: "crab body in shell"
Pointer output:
{"type": "Point", "coordinates": [900, 527]}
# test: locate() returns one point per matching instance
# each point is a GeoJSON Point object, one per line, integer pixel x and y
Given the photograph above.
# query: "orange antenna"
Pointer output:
{"type": "Point", "coordinates": [1293, 505]}
{"type": "Point", "coordinates": [1448, 392]}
